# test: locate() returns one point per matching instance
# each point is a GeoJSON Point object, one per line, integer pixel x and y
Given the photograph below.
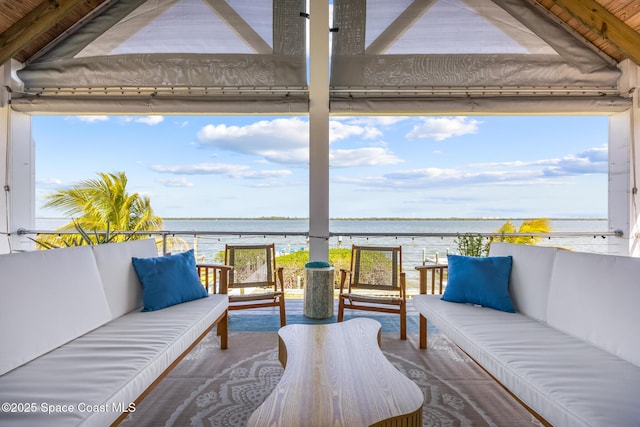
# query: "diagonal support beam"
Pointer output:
{"type": "Point", "coordinates": [35, 23]}
{"type": "Point", "coordinates": [401, 24]}
{"type": "Point", "coordinates": [241, 26]}
{"type": "Point", "coordinates": [595, 16]}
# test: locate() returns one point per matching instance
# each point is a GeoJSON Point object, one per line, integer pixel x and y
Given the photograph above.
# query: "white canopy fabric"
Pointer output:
{"type": "Point", "coordinates": [388, 57]}
{"type": "Point", "coordinates": [158, 54]}
{"type": "Point", "coordinates": [463, 56]}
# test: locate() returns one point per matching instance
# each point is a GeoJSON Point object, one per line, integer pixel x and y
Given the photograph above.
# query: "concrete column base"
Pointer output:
{"type": "Point", "coordinates": [318, 293]}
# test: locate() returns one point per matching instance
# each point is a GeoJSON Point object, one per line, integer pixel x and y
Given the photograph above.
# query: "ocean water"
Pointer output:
{"type": "Point", "coordinates": [415, 249]}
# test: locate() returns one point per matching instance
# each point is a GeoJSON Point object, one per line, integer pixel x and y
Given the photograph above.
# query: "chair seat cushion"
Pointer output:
{"type": "Point", "coordinates": [373, 299]}
{"type": "Point", "coordinates": [253, 297]}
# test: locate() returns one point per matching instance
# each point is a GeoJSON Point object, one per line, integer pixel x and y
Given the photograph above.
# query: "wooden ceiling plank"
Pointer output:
{"type": "Point", "coordinates": [603, 22]}
{"type": "Point", "coordinates": [618, 7]}
{"type": "Point", "coordinates": [32, 25]}
{"type": "Point", "coordinates": [634, 22]}
{"type": "Point", "coordinates": [629, 13]}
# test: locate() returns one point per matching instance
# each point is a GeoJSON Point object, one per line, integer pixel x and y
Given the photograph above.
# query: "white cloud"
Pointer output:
{"type": "Point", "coordinates": [265, 174]}
{"type": "Point", "coordinates": [593, 160]}
{"type": "Point", "coordinates": [50, 183]}
{"type": "Point", "coordinates": [441, 128]}
{"type": "Point", "coordinates": [339, 130]}
{"type": "Point", "coordinates": [590, 161]}
{"type": "Point", "coordinates": [93, 119]}
{"type": "Point", "coordinates": [278, 140]}
{"type": "Point", "coordinates": [372, 156]}
{"type": "Point", "coordinates": [150, 120]}
{"type": "Point", "coordinates": [202, 169]}
{"type": "Point", "coordinates": [513, 173]}
{"type": "Point", "coordinates": [462, 176]}
{"type": "Point", "coordinates": [147, 120]}
{"type": "Point", "coordinates": [232, 171]}
{"type": "Point", "coordinates": [176, 182]}
{"type": "Point", "coordinates": [372, 121]}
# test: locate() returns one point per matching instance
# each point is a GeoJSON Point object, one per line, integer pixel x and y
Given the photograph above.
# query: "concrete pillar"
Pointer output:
{"type": "Point", "coordinates": [318, 292]}
{"type": "Point", "coordinates": [319, 130]}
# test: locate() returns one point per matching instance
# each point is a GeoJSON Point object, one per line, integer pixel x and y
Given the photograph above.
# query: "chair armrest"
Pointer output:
{"type": "Point", "coordinates": [403, 285]}
{"type": "Point", "coordinates": [280, 278]}
{"type": "Point", "coordinates": [343, 277]}
{"type": "Point", "coordinates": [424, 270]}
{"type": "Point", "coordinates": [209, 272]}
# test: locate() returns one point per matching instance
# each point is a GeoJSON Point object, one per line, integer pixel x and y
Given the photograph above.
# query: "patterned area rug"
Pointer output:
{"type": "Point", "coordinates": [213, 387]}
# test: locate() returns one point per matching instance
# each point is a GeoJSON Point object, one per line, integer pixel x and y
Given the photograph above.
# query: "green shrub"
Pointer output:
{"type": "Point", "coordinates": [293, 265]}
{"type": "Point", "coordinates": [472, 245]}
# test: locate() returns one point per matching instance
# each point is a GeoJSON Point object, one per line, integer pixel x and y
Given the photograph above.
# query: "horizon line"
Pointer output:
{"type": "Point", "coordinates": [276, 218]}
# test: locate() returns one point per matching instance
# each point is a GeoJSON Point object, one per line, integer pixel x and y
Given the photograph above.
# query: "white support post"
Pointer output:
{"type": "Point", "coordinates": [21, 182]}
{"type": "Point", "coordinates": [319, 130]}
{"type": "Point", "coordinates": [17, 170]}
{"type": "Point", "coordinates": [624, 166]}
{"type": "Point", "coordinates": [5, 246]}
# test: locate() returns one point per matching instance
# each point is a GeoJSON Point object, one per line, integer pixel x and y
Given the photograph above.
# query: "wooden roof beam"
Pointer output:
{"type": "Point", "coordinates": [595, 16]}
{"type": "Point", "coordinates": [35, 23]}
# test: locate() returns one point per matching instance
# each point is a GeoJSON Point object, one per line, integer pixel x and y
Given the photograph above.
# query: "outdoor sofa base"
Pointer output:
{"type": "Point", "coordinates": [571, 352]}
{"type": "Point", "coordinates": [98, 377]}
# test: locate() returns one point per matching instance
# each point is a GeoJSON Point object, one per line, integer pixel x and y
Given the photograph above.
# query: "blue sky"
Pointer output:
{"type": "Point", "coordinates": [385, 166]}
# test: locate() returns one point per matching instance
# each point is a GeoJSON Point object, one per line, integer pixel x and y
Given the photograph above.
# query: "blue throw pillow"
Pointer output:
{"type": "Point", "coordinates": [482, 281]}
{"type": "Point", "coordinates": [168, 280]}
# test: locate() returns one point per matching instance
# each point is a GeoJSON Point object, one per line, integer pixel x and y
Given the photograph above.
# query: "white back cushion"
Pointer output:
{"type": "Point", "coordinates": [47, 298]}
{"type": "Point", "coordinates": [595, 297]}
{"type": "Point", "coordinates": [530, 276]}
{"type": "Point", "coordinates": [121, 284]}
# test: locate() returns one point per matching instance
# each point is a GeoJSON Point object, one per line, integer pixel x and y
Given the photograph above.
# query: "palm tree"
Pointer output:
{"type": "Point", "coordinates": [537, 225]}
{"type": "Point", "coordinates": [99, 205]}
{"type": "Point", "coordinates": [477, 245]}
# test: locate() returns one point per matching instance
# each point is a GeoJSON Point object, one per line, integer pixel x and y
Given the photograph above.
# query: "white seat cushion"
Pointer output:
{"type": "Point", "coordinates": [566, 380]}
{"type": "Point", "coordinates": [109, 366]}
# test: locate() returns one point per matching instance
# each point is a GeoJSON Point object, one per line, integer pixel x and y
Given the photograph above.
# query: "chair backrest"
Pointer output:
{"type": "Point", "coordinates": [253, 265]}
{"type": "Point", "coordinates": [376, 267]}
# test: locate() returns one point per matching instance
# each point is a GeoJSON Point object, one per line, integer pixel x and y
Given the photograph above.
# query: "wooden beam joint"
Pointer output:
{"type": "Point", "coordinates": [606, 24]}
{"type": "Point", "coordinates": [42, 18]}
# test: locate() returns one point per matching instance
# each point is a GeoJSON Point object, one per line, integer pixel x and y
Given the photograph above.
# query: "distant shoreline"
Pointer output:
{"type": "Point", "coordinates": [380, 219]}
{"type": "Point", "coordinates": [277, 218]}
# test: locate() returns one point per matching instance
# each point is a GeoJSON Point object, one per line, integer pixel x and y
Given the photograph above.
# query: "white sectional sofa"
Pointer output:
{"type": "Point", "coordinates": [571, 352]}
{"type": "Point", "coordinates": [76, 349]}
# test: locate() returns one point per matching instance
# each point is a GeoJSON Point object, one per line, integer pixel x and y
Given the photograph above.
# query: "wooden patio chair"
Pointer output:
{"type": "Point", "coordinates": [255, 275]}
{"type": "Point", "coordinates": [375, 282]}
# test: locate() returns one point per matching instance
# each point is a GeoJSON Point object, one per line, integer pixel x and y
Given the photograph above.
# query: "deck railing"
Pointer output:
{"type": "Point", "coordinates": [418, 248]}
